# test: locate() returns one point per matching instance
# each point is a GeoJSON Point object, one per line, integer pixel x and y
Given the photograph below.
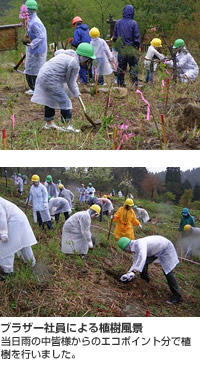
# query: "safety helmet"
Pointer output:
{"type": "Point", "coordinates": [96, 208]}
{"type": "Point", "coordinates": [49, 197]}
{"type": "Point", "coordinates": [89, 184]}
{"type": "Point", "coordinates": [187, 228]}
{"type": "Point", "coordinates": [49, 178]}
{"type": "Point", "coordinates": [179, 43]}
{"type": "Point", "coordinates": [134, 206]}
{"type": "Point", "coordinates": [123, 242]}
{"type": "Point", "coordinates": [105, 196]}
{"type": "Point", "coordinates": [31, 4]}
{"type": "Point", "coordinates": [185, 211]}
{"type": "Point", "coordinates": [76, 19]}
{"type": "Point", "coordinates": [129, 202]}
{"type": "Point", "coordinates": [60, 186]}
{"type": "Point", "coordinates": [59, 180]}
{"type": "Point", "coordinates": [19, 175]}
{"type": "Point", "coordinates": [156, 42]}
{"type": "Point", "coordinates": [94, 32]}
{"type": "Point", "coordinates": [86, 49]}
{"type": "Point", "coordinates": [35, 178]}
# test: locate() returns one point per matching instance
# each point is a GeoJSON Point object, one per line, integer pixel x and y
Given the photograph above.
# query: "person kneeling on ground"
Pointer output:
{"type": "Point", "coordinates": [76, 234]}
{"type": "Point", "coordinates": [146, 250]}
{"type": "Point", "coordinates": [16, 236]}
{"type": "Point", "coordinates": [57, 82]}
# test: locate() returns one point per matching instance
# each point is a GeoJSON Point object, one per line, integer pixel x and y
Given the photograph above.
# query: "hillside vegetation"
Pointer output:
{"type": "Point", "coordinates": [67, 285]}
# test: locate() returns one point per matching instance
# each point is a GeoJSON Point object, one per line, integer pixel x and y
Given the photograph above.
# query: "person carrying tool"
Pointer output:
{"type": "Point", "coordinates": [141, 213]}
{"type": "Point", "coordinates": [81, 34]}
{"type": "Point", "coordinates": [51, 187]}
{"type": "Point", "coordinates": [146, 250]}
{"type": "Point", "coordinates": [103, 55]}
{"type": "Point", "coordinates": [76, 232]}
{"type": "Point", "coordinates": [125, 218]}
{"type": "Point", "coordinates": [36, 45]}
{"type": "Point", "coordinates": [16, 236]}
{"type": "Point", "coordinates": [186, 67]}
{"type": "Point", "coordinates": [151, 58]}
{"type": "Point", "coordinates": [186, 219]}
{"type": "Point", "coordinates": [38, 195]}
{"type": "Point", "coordinates": [20, 183]}
{"type": "Point", "coordinates": [58, 205]}
{"type": "Point", "coordinates": [57, 82]}
{"type": "Point", "coordinates": [128, 30]}
{"type": "Point", "coordinates": [66, 193]}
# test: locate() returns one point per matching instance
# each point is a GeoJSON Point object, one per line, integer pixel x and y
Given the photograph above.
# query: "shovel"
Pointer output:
{"type": "Point", "coordinates": [86, 115]}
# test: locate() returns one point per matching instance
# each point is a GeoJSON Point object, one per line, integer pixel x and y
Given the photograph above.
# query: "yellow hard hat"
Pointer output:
{"type": "Point", "coordinates": [156, 42]}
{"type": "Point", "coordinates": [187, 228]}
{"type": "Point", "coordinates": [105, 196]}
{"type": "Point", "coordinates": [35, 178]}
{"type": "Point", "coordinates": [129, 202]}
{"type": "Point", "coordinates": [96, 208]}
{"type": "Point", "coordinates": [60, 186]}
{"type": "Point", "coordinates": [94, 32]}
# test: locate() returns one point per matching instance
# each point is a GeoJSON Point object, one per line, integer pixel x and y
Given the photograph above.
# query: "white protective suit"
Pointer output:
{"type": "Point", "coordinates": [68, 195]}
{"type": "Point", "coordinates": [151, 53]}
{"type": "Point", "coordinates": [76, 234]}
{"type": "Point", "coordinates": [20, 184]}
{"type": "Point", "coordinates": [51, 189]}
{"type": "Point", "coordinates": [15, 225]}
{"type": "Point", "coordinates": [187, 68]}
{"type": "Point", "coordinates": [36, 52]}
{"type": "Point", "coordinates": [154, 245]}
{"type": "Point", "coordinates": [107, 204]}
{"type": "Point", "coordinates": [91, 191]}
{"type": "Point", "coordinates": [56, 81]}
{"type": "Point", "coordinates": [39, 197]}
{"type": "Point", "coordinates": [142, 214]}
{"type": "Point", "coordinates": [191, 242]}
{"type": "Point", "coordinates": [58, 205]}
{"type": "Point", "coordinates": [103, 55]}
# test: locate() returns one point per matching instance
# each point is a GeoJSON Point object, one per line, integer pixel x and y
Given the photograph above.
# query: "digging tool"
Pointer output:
{"type": "Point", "coordinates": [111, 221]}
{"type": "Point", "coordinates": [85, 113]}
{"type": "Point", "coordinates": [19, 63]}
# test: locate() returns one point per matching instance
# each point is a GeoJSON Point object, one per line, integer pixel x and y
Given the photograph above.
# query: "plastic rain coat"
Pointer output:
{"type": "Point", "coordinates": [36, 53]}
{"type": "Point", "coordinates": [39, 197]}
{"type": "Point", "coordinates": [125, 220]}
{"type": "Point", "coordinates": [56, 81]}
{"type": "Point", "coordinates": [58, 205]}
{"type": "Point", "coordinates": [91, 191]}
{"type": "Point", "coordinates": [154, 245]}
{"type": "Point", "coordinates": [127, 28]}
{"type": "Point", "coordinates": [103, 55]}
{"type": "Point", "coordinates": [107, 204]}
{"type": "Point", "coordinates": [150, 55]}
{"type": "Point", "coordinates": [68, 195]}
{"type": "Point", "coordinates": [142, 214]}
{"type": "Point", "coordinates": [52, 189]}
{"type": "Point", "coordinates": [14, 223]}
{"type": "Point", "coordinates": [76, 233]}
{"type": "Point", "coordinates": [187, 68]}
{"type": "Point", "coordinates": [20, 184]}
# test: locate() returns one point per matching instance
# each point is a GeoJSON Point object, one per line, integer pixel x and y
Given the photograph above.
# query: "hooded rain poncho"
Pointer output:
{"type": "Point", "coordinates": [36, 53]}
{"type": "Point", "coordinates": [127, 28]}
{"type": "Point", "coordinates": [154, 245]}
{"type": "Point", "coordinates": [76, 234]}
{"type": "Point", "coordinates": [57, 81]}
{"type": "Point", "coordinates": [39, 197]}
{"type": "Point", "coordinates": [59, 205]}
{"type": "Point", "coordinates": [68, 195]}
{"type": "Point", "coordinates": [103, 55]}
{"type": "Point", "coordinates": [142, 214]}
{"type": "Point", "coordinates": [125, 220]}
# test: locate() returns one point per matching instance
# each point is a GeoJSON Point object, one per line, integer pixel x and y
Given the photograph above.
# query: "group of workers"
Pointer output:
{"type": "Point", "coordinates": [52, 83]}
{"type": "Point", "coordinates": [16, 235]}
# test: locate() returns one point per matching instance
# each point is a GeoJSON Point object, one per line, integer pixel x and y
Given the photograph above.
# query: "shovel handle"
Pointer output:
{"type": "Point", "coordinates": [82, 104]}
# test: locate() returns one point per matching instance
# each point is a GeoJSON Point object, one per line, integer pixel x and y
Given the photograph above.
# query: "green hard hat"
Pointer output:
{"type": "Point", "coordinates": [86, 49]}
{"type": "Point", "coordinates": [19, 174]}
{"type": "Point", "coordinates": [49, 197]}
{"type": "Point", "coordinates": [134, 206]}
{"type": "Point", "coordinates": [31, 4]}
{"type": "Point", "coordinates": [179, 43]}
{"type": "Point", "coordinates": [123, 242]}
{"type": "Point", "coordinates": [59, 180]}
{"type": "Point", "coordinates": [49, 178]}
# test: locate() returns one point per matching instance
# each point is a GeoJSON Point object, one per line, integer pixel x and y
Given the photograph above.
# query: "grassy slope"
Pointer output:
{"type": "Point", "coordinates": [63, 285]}
{"type": "Point", "coordinates": [29, 134]}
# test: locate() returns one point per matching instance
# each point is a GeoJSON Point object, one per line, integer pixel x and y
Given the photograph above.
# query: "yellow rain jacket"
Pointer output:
{"type": "Point", "coordinates": [125, 220]}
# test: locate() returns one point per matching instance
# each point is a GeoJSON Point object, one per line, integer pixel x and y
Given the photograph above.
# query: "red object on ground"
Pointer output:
{"type": "Point", "coordinates": [4, 134]}
{"type": "Point", "coordinates": [147, 313]}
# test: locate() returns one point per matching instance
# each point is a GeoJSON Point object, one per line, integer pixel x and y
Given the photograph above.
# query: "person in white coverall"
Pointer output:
{"type": "Point", "coordinates": [57, 82]}
{"type": "Point", "coordinates": [16, 236]}
{"type": "Point", "coordinates": [58, 205]}
{"type": "Point", "coordinates": [190, 242]}
{"type": "Point", "coordinates": [146, 250]}
{"type": "Point", "coordinates": [36, 47]}
{"type": "Point", "coordinates": [19, 183]}
{"type": "Point", "coordinates": [187, 68]}
{"type": "Point", "coordinates": [66, 193]}
{"type": "Point", "coordinates": [141, 213]}
{"type": "Point", "coordinates": [39, 196]}
{"type": "Point", "coordinates": [76, 234]}
{"type": "Point", "coordinates": [90, 190]}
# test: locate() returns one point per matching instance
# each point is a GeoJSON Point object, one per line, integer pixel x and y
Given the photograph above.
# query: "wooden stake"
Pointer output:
{"type": "Point", "coordinates": [114, 137]}
{"type": "Point", "coordinates": [4, 139]}
{"type": "Point", "coordinates": [163, 130]}
{"type": "Point", "coordinates": [166, 98]}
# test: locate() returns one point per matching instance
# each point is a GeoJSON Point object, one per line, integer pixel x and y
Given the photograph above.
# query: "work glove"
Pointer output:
{"type": "Point", "coordinates": [127, 277]}
{"type": "Point", "coordinates": [90, 244]}
{"type": "Point", "coordinates": [4, 238]}
{"type": "Point", "coordinates": [140, 226]}
{"type": "Point", "coordinates": [111, 217]}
